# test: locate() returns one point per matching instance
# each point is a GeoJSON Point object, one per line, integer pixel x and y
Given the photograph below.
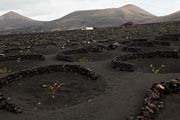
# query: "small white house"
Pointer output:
{"type": "Point", "coordinates": [2, 54]}
{"type": "Point", "coordinates": [88, 28]}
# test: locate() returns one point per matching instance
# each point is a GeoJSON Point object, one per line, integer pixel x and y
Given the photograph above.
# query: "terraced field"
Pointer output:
{"type": "Point", "coordinates": [104, 74]}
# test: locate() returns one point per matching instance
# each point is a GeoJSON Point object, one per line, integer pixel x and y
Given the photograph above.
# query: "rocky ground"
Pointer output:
{"type": "Point", "coordinates": [124, 73]}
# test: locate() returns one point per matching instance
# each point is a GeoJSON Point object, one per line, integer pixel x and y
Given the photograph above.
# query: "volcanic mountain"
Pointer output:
{"type": "Point", "coordinates": [12, 20]}
{"type": "Point", "coordinates": [168, 18]}
{"type": "Point", "coordinates": [99, 18]}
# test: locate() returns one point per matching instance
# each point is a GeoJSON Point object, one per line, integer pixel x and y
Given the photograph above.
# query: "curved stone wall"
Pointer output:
{"type": "Point", "coordinates": [132, 49]}
{"type": "Point", "coordinates": [68, 55]}
{"type": "Point", "coordinates": [169, 37]}
{"type": "Point", "coordinates": [153, 101]}
{"type": "Point", "coordinates": [22, 57]}
{"type": "Point", "coordinates": [47, 69]}
{"type": "Point", "coordinates": [122, 64]}
{"type": "Point", "coordinates": [5, 104]}
{"type": "Point", "coordinates": [12, 49]}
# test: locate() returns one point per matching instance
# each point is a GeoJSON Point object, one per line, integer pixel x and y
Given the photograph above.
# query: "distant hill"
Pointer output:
{"type": "Point", "coordinates": [168, 18]}
{"type": "Point", "coordinates": [99, 18]}
{"type": "Point", "coordinates": [12, 20]}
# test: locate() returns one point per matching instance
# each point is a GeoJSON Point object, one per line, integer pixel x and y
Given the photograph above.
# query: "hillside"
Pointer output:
{"type": "Point", "coordinates": [13, 20]}
{"type": "Point", "coordinates": [15, 23]}
{"type": "Point", "coordinates": [172, 17]}
{"type": "Point", "coordinates": [99, 18]}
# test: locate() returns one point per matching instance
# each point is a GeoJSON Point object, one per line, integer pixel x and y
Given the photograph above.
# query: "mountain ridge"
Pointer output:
{"type": "Point", "coordinates": [99, 18]}
{"type": "Point", "coordinates": [13, 20]}
{"type": "Point", "coordinates": [82, 18]}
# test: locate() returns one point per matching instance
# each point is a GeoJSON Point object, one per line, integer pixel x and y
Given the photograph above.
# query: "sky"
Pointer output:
{"type": "Point", "coordinates": [47, 10]}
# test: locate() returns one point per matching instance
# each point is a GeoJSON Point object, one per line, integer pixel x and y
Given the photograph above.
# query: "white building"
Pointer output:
{"type": "Point", "coordinates": [88, 28]}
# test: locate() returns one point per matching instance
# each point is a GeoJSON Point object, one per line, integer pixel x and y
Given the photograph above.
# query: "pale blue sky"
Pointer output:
{"type": "Point", "coordinates": [53, 9]}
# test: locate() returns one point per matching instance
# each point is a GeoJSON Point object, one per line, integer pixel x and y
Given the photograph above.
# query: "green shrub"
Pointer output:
{"type": "Point", "coordinates": [156, 70]}
{"type": "Point", "coordinates": [53, 89]}
{"type": "Point", "coordinates": [4, 70]}
{"type": "Point", "coordinates": [84, 59]}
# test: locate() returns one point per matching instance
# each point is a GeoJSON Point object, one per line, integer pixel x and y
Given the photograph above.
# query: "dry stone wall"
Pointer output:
{"type": "Point", "coordinates": [153, 100]}
{"type": "Point", "coordinates": [22, 57]}
{"type": "Point", "coordinates": [122, 64]}
{"type": "Point", "coordinates": [13, 77]}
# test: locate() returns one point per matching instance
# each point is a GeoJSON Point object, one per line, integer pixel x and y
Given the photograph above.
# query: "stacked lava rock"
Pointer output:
{"type": "Point", "coordinates": [148, 44]}
{"type": "Point", "coordinates": [6, 105]}
{"type": "Point", "coordinates": [132, 49]}
{"type": "Point", "coordinates": [13, 77]}
{"type": "Point", "coordinates": [11, 49]}
{"type": "Point", "coordinates": [118, 63]}
{"type": "Point", "coordinates": [22, 57]}
{"type": "Point", "coordinates": [168, 37]}
{"type": "Point", "coordinates": [121, 63]}
{"type": "Point", "coordinates": [138, 42]}
{"type": "Point", "coordinates": [69, 55]}
{"type": "Point", "coordinates": [161, 43]}
{"type": "Point", "coordinates": [153, 100]}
